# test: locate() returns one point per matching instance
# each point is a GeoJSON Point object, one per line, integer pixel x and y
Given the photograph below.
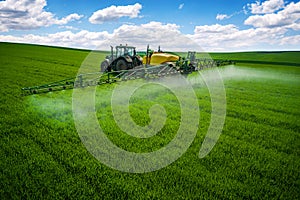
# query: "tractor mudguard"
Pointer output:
{"type": "Point", "coordinates": [127, 58]}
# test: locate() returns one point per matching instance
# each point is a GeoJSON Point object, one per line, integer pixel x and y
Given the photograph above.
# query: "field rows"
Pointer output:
{"type": "Point", "coordinates": [42, 156]}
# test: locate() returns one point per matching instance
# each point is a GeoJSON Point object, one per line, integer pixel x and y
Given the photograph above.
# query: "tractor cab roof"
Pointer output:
{"type": "Point", "coordinates": [125, 46]}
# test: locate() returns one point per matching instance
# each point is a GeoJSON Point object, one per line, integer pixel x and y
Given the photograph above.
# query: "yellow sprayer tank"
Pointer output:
{"type": "Point", "coordinates": [159, 58]}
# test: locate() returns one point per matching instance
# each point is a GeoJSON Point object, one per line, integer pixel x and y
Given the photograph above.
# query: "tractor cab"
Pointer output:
{"type": "Point", "coordinates": [123, 58]}
{"type": "Point", "coordinates": [191, 56]}
{"type": "Point", "coordinates": [125, 51]}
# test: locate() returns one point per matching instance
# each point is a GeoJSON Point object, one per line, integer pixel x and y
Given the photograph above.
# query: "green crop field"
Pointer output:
{"type": "Point", "coordinates": [256, 157]}
{"type": "Point", "coordinates": [284, 58]}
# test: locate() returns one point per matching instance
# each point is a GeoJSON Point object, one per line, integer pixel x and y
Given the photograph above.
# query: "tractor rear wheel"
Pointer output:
{"type": "Point", "coordinates": [121, 65]}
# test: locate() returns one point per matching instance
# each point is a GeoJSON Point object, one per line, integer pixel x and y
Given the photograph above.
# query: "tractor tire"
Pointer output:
{"type": "Point", "coordinates": [104, 66]}
{"type": "Point", "coordinates": [121, 65]}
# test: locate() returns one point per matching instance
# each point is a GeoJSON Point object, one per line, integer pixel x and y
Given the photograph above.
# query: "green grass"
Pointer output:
{"type": "Point", "coordinates": [274, 58]}
{"type": "Point", "coordinates": [256, 157]}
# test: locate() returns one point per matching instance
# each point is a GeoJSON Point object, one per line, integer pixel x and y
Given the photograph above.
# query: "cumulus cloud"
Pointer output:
{"type": "Point", "coordinates": [113, 13]}
{"type": "Point", "coordinates": [28, 14]}
{"type": "Point", "coordinates": [214, 37]}
{"type": "Point", "coordinates": [68, 18]}
{"type": "Point", "coordinates": [168, 36]}
{"type": "Point", "coordinates": [229, 37]}
{"type": "Point", "coordinates": [288, 17]}
{"type": "Point", "coordinates": [153, 33]}
{"type": "Point", "coordinates": [216, 28]}
{"type": "Point", "coordinates": [222, 16]}
{"type": "Point", "coordinates": [81, 39]}
{"type": "Point", "coordinates": [271, 23]}
{"type": "Point", "coordinates": [291, 40]}
{"type": "Point", "coordinates": [268, 6]}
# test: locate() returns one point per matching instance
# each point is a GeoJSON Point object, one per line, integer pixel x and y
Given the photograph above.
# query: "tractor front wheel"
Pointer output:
{"type": "Point", "coordinates": [104, 66]}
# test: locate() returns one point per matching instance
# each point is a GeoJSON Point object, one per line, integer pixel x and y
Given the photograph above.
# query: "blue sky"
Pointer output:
{"type": "Point", "coordinates": [215, 25]}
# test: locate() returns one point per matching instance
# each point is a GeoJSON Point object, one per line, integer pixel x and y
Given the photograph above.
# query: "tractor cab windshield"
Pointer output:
{"type": "Point", "coordinates": [124, 50]}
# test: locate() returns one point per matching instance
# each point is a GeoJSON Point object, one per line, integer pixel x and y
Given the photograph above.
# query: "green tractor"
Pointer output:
{"type": "Point", "coordinates": [123, 58]}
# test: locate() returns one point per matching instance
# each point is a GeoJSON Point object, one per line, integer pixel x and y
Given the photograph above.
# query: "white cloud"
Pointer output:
{"type": "Point", "coordinates": [180, 6]}
{"type": "Point", "coordinates": [28, 14]}
{"type": "Point", "coordinates": [153, 33]}
{"type": "Point", "coordinates": [216, 28]}
{"type": "Point", "coordinates": [230, 38]}
{"type": "Point", "coordinates": [291, 40]}
{"type": "Point", "coordinates": [294, 26]}
{"type": "Point", "coordinates": [167, 36]}
{"type": "Point", "coordinates": [68, 18]}
{"type": "Point", "coordinates": [288, 17]}
{"type": "Point", "coordinates": [113, 13]}
{"type": "Point", "coordinates": [81, 39]}
{"type": "Point", "coordinates": [268, 6]}
{"type": "Point", "coordinates": [208, 37]}
{"type": "Point", "coordinates": [222, 16]}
